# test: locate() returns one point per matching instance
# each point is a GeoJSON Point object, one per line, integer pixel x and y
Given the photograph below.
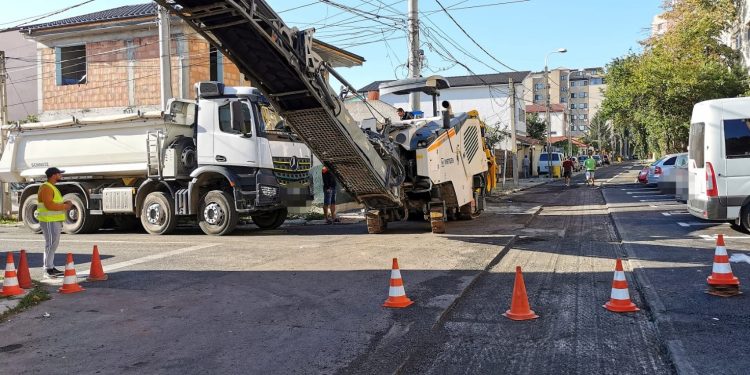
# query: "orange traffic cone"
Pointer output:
{"type": "Point", "coordinates": [10, 283]}
{"type": "Point", "coordinates": [24, 277]}
{"type": "Point", "coordinates": [722, 281]}
{"type": "Point", "coordinates": [96, 273]}
{"type": "Point", "coordinates": [519, 305]}
{"type": "Point", "coordinates": [70, 280]}
{"type": "Point", "coordinates": [619, 298]}
{"type": "Point", "coordinates": [396, 293]}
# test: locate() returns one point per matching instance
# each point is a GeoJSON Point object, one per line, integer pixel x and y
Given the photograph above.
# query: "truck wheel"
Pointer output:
{"type": "Point", "coordinates": [28, 214]}
{"type": "Point", "coordinates": [157, 214]}
{"type": "Point", "coordinates": [271, 220]}
{"type": "Point", "coordinates": [78, 220]}
{"type": "Point", "coordinates": [217, 215]}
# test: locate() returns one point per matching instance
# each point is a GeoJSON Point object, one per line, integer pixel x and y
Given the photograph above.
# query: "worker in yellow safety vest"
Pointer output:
{"type": "Point", "coordinates": [51, 211]}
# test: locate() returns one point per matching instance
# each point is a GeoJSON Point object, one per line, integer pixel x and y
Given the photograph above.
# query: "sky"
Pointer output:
{"type": "Point", "coordinates": [516, 35]}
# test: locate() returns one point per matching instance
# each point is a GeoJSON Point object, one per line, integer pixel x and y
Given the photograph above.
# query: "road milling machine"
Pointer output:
{"type": "Point", "coordinates": [434, 167]}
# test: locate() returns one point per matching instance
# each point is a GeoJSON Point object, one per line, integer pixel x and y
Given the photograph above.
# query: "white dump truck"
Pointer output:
{"type": "Point", "coordinates": [207, 160]}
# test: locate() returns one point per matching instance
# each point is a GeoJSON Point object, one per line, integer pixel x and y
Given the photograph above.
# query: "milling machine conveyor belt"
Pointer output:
{"type": "Point", "coordinates": [279, 61]}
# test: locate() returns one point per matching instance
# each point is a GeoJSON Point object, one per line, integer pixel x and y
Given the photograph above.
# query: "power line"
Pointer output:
{"type": "Point", "coordinates": [43, 16]}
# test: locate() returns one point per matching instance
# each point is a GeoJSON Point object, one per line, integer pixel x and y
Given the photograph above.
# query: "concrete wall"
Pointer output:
{"type": "Point", "coordinates": [21, 87]}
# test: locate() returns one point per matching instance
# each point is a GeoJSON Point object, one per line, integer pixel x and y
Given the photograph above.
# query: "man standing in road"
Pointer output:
{"type": "Point", "coordinates": [51, 214]}
{"type": "Point", "coordinates": [329, 196]}
{"type": "Point", "coordinates": [567, 170]}
{"type": "Point", "coordinates": [590, 164]}
{"type": "Point", "coordinates": [526, 164]}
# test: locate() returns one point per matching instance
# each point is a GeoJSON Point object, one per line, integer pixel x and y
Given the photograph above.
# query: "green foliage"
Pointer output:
{"type": "Point", "coordinates": [30, 119]}
{"type": "Point", "coordinates": [494, 135]}
{"type": "Point", "coordinates": [599, 134]}
{"type": "Point", "coordinates": [34, 297]}
{"type": "Point", "coordinates": [535, 127]}
{"type": "Point", "coordinates": [650, 96]}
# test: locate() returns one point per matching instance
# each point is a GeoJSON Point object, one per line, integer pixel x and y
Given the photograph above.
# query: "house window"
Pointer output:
{"type": "Point", "coordinates": [563, 100]}
{"type": "Point", "coordinates": [572, 128]}
{"type": "Point", "coordinates": [573, 95]}
{"type": "Point", "coordinates": [70, 65]}
{"type": "Point", "coordinates": [539, 86]}
{"type": "Point", "coordinates": [583, 95]}
{"type": "Point", "coordinates": [216, 65]}
{"type": "Point", "coordinates": [585, 117]}
{"type": "Point", "coordinates": [537, 97]}
{"type": "Point", "coordinates": [572, 83]}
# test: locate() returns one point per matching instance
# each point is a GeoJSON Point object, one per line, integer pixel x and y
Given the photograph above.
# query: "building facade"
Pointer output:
{"type": "Point", "coordinates": [489, 94]}
{"type": "Point", "coordinates": [109, 62]}
{"type": "Point", "coordinates": [580, 92]}
{"type": "Point", "coordinates": [21, 73]}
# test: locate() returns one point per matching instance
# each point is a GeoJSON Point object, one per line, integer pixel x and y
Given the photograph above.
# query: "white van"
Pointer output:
{"type": "Point", "coordinates": [543, 165]}
{"type": "Point", "coordinates": [719, 161]}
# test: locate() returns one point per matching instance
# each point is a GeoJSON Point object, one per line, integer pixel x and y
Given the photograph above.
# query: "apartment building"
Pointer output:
{"type": "Point", "coordinates": [580, 92]}
{"type": "Point", "coordinates": [108, 62]}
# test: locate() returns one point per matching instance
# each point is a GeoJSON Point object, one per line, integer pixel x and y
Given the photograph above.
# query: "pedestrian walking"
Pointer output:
{"type": "Point", "coordinates": [329, 196]}
{"type": "Point", "coordinates": [526, 163]}
{"type": "Point", "coordinates": [568, 170]}
{"type": "Point", "coordinates": [51, 211]}
{"type": "Point", "coordinates": [590, 164]}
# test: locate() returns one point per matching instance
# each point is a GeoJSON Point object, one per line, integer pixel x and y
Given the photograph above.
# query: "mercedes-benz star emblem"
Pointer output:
{"type": "Point", "coordinates": [293, 163]}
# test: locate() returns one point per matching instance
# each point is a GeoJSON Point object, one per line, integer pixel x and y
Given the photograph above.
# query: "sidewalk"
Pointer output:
{"type": "Point", "coordinates": [523, 184]}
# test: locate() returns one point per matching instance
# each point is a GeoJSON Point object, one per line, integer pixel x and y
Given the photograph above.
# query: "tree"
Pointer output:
{"type": "Point", "coordinates": [651, 96]}
{"type": "Point", "coordinates": [599, 133]}
{"type": "Point", "coordinates": [535, 127]}
{"type": "Point", "coordinates": [495, 135]}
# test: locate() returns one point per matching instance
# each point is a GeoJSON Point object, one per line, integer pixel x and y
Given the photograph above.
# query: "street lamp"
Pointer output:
{"type": "Point", "coordinates": [549, 123]}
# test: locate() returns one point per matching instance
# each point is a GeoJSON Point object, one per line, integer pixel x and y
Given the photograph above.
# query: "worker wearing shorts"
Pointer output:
{"type": "Point", "coordinates": [590, 165]}
{"type": "Point", "coordinates": [329, 196]}
{"type": "Point", "coordinates": [567, 170]}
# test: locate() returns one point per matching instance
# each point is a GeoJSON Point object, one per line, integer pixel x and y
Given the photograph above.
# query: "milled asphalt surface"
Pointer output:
{"type": "Point", "coordinates": [567, 255]}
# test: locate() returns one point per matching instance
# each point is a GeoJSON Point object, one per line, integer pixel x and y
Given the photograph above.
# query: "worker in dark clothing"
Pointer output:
{"type": "Point", "coordinates": [402, 115]}
{"type": "Point", "coordinates": [329, 196]}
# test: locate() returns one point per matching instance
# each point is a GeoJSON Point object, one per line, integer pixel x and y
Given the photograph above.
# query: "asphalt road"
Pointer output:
{"type": "Point", "coordinates": [306, 299]}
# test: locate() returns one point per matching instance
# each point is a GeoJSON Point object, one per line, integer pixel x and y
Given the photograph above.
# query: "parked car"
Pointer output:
{"type": "Point", "coordinates": [719, 161]}
{"type": "Point", "coordinates": [643, 175]}
{"type": "Point", "coordinates": [556, 160]}
{"type": "Point", "coordinates": [668, 180]}
{"type": "Point", "coordinates": [598, 160]}
{"type": "Point", "coordinates": [658, 168]}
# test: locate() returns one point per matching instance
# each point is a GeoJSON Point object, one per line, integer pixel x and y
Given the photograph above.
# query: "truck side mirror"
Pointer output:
{"type": "Point", "coordinates": [238, 118]}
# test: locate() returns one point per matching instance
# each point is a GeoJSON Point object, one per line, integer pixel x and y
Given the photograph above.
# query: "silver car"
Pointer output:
{"type": "Point", "coordinates": [661, 169]}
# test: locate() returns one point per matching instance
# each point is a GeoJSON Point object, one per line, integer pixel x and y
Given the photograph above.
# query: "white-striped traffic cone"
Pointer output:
{"type": "Point", "coordinates": [70, 280]}
{"type": "Point", "coordinates": [722, 281]}
{"type": "Point", "coordinates": [619, 299]}
{"type": "Point", "coordinates": [396, 294]}
{"type": "Point", "coordinates": [10, 282]}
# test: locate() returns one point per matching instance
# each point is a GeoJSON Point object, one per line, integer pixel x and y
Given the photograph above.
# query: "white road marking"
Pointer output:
{"type": "Point", "coordinates": [666, 214]}
{"type": "Point", "coordinates": [643, 191]}
{"type": "Point", "coordinates": [652, 195]}
{"type": "Point", "coordinates": [709, 237]}
{"type": "Point", "coordinates": [656, 200]}
{"type": "Point", "coordinates": [694, 224]}
{"type": "Point", "coordinates": [149, 258]}
{"type": "Point", "coordinates": [96, 241]}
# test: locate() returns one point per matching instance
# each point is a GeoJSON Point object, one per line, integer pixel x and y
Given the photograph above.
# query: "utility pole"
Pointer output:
{"type": "Point", "coordinates": [5, 206]}
{"type": "Point", "coordinates": [568, 126]}
{"type": "Point", "coordinates": [513, 146]}
{"type": "Point", "coordinates": [415, 58]}
{"type": "Point", "coordinates": [165, 60]}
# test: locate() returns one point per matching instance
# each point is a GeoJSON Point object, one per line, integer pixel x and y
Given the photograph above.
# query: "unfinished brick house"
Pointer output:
{"type": "Point", "coordinates": [108, 62]}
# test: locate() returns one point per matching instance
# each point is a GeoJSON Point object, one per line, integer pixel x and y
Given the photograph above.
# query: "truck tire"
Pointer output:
{"type": "Point", "coordinates": [217, 215]}
{"type": "Point", "coordinates": [270, 220]}
{"type": "Point", "coordinates": [158, 214]}
{"type": "Point", "coordinates": [28, 214]}
{"type": "Point", "coordinates": [78, 219]}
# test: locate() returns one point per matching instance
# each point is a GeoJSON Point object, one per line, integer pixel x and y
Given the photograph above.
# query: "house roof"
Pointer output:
{"type": "Point", "coordinates": [119, 13]}
{"type": "Point", "coordinates": [467, 81]}
{"type": "Point", "coordinates": [336, 56]}
{"type": "Point", "coordinates": [575, 141]}
{"type": "Point", "coordinates": [538, 108]}
{"type": "Point", "coordinates": [527, 140]}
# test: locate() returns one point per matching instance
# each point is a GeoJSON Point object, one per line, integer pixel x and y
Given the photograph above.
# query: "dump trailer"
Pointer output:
{"type": "Point", "coordinates": [435, 167]}
{"type": "Point", "coordinates": [206, 161]}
